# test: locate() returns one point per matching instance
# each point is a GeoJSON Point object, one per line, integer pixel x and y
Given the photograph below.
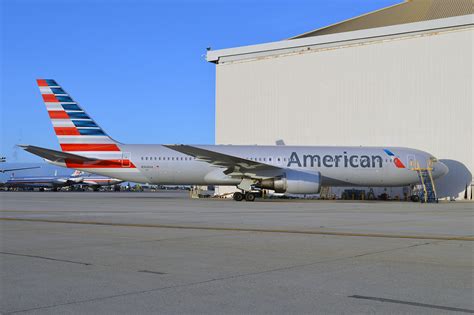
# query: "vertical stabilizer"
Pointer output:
{"type": "Point", "coordinates": [77, 132]}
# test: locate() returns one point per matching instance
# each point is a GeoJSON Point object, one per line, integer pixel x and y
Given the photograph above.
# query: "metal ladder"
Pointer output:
{"type": "Point", "coordinates": [325, 192]}
{"type": "Point", "coordinates": [428, 194]}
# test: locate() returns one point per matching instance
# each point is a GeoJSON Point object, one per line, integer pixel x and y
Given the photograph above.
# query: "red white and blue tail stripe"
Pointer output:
{"type": "Point", "coordinates": [77, 132]}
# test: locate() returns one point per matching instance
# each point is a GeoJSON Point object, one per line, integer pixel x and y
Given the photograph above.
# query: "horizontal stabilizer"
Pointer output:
{"type": "Point", "coordinates": [55, 156]}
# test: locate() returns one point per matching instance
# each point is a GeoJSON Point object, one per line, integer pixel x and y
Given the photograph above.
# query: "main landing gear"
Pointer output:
{"type": "Point", "coordinates": [238, 196]}
{"type": "Point", "coordinates": [245, 186]}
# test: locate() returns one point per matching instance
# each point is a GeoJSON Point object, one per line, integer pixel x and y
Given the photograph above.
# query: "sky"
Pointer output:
{"type": "Point", "coordinates": [136, 66]}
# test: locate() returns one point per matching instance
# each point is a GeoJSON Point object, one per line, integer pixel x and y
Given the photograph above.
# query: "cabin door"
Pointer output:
{"type": "Point", "coordinates": [411, 161]}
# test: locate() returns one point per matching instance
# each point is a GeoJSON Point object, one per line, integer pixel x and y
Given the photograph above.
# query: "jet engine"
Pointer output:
{"type": "Point", "coordinates": [294, 182]}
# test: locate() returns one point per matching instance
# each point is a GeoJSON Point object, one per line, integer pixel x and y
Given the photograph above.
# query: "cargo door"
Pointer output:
{"type": "Point", "coordinates": [126, 159]}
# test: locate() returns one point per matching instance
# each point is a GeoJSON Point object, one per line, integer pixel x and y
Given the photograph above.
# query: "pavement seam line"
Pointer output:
{"type": "Point", "coordinates": [385, 300]}
{"type": "Point", "coordinates": [217, 228]}
{"type": "Point", "coordinates": [217, 279]}
{"type": "Point", "coordinates": [47, 258]}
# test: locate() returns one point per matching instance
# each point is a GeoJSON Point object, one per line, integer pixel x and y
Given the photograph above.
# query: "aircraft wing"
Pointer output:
{"type": "Point", "coordinates": [235, 165]}
{"type": "Point", "coordinates": [55, 156]}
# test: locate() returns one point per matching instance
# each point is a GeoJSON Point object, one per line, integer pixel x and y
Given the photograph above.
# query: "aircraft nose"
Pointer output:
{"type": "Point", "coordinates": [441, 169]}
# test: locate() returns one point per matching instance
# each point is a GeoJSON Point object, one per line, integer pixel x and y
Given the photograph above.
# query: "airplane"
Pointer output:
{"type": "Point", "coordinates": [56, 182]}
{"type": "Point", "coordinates": [282, 168]}
{"type": "Point", "coordinates": [96, 181]}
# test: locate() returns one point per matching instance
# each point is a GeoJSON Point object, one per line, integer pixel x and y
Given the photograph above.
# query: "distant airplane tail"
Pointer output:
{"type": "Point", "coordinates": [78, 134]}
{"type": "Point", "coordinates": [77, 173]}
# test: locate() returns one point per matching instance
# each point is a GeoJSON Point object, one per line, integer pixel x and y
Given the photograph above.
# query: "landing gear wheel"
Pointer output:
{"type": "Point", "coordinates": [249, 197]}
{"type": "Point", "coordinates": [238, 196]}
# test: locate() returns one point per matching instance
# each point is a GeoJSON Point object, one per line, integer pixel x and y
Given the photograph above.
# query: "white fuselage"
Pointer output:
{"type": "Point", "coordinates": [338, 166]}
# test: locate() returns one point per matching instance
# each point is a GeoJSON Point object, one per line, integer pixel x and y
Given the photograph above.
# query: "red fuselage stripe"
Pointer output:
{"type": "Point", "coordinates": [100, 164]}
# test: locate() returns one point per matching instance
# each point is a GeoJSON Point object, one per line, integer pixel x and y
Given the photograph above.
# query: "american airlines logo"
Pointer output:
{"type": "Point", "coordinates": [394, 159]}
{"type": "Point", "coordinates": [340, 160]}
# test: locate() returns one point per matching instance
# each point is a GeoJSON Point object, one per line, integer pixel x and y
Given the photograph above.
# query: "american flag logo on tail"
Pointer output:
{"type": "Point", "coordinates": [77, 132]}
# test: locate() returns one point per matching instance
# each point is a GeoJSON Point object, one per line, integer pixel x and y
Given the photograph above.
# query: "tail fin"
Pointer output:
{"type": "Point", "coordinates": [77, 173]}
{"type": "Point", "coordinates": [75, 129]}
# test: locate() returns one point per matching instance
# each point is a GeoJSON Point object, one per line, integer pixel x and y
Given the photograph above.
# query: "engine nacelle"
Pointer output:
{"type": "Point", "coordinates": [294, 182]}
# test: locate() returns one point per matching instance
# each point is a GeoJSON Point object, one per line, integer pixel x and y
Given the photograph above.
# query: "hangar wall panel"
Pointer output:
{"type": "Point", "coordinates": [413, 91]}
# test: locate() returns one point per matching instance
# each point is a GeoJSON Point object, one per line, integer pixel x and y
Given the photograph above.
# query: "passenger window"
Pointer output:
{"type": "Point", "coordinates": [146, 158]}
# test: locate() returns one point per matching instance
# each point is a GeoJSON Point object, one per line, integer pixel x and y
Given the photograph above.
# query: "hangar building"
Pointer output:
{"type": "Point", "coordinates": [399, 76]}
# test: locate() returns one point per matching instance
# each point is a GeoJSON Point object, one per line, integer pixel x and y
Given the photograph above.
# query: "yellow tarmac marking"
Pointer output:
{"type": "Point", "coordinates": [218, 228]}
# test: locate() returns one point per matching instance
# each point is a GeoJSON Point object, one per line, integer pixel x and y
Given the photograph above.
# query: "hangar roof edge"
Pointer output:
{"type": "Point", "coordinates": [408, 11]}
{"type": "Point", "coordinates": [270, 48]}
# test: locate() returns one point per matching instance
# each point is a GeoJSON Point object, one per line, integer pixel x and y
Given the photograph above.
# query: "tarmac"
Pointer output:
{"type": "Point", "coordinates": [162, 252]}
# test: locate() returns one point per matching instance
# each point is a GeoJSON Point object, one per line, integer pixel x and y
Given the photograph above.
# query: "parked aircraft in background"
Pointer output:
{"type": "Point", "coordinates": [56, 182]}
{"type": "Point", "coordinates": [286, 169]}
{"type": "Point", "coordinates": [96, 181]}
